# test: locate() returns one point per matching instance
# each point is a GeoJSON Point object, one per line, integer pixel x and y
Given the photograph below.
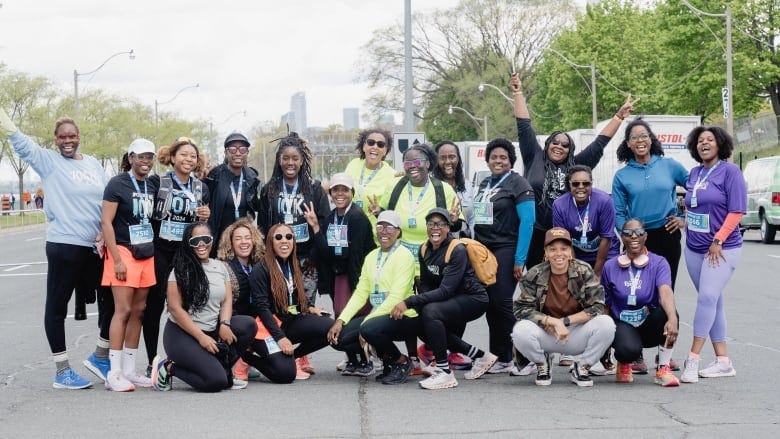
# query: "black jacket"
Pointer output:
{"type": "Point", "coordinates": [261, 303]}
{"type": "Point", "coordinates": [241, 297]}
{"type": "Point", "coordinates": [219, 181]}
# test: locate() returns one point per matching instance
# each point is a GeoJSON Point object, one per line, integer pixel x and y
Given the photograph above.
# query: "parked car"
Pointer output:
{"type": "Point", "coordinates": [763, 204]}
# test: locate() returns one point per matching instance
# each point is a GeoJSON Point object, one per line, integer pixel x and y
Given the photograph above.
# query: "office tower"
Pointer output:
{"type": "Point", "coordinates": [351, 119]}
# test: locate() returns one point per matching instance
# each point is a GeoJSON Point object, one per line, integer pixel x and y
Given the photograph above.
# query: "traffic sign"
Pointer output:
{"type": "Point", "coordinates": [402, 142]}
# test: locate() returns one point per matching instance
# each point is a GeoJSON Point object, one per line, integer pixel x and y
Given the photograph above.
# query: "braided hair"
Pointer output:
{"type": "Point", "coordinates": [274, 185]}
{"type": "Point", "coordinates": [190, 278]}
{"type": "Point", "coordinates": [438, 172]}
{"type": "Point", "coordinates": [277, 280]}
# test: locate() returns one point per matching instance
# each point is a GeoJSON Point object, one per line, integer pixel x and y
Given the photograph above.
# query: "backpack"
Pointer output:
{"type": "Point", "coordinates": [437, 188]}
{"type": "Point", "coordinates": [482, 260]}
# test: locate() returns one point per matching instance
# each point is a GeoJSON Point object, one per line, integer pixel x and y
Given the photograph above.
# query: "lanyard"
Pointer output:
{"type": "Point", "coordinates": [288, 278]}
{"type": "Point", "coordinates": [143, 203]}
{"type": "Point", "coordinates": [363, 185]}
{"type": "Point", "coordinates": [413, 206]}
{"type": "Point", "coordinates": [343, 218]}
{"type": "Point", "coordinates": [584, 221]}
{"type": "Point", "coordinates": [380, 264]}
{"type": "Point", "coordinates": [489, 190]}
{"type": "Point", "coordinates": [186, 188]}
{"type": "Point", "coordinates": [288, 197]}
{"type": "Point", "coordinates": [237, 196]}
{"type": "Point", "coordinates": [634, 280]}
{"type": "Point", "coordinates": [701, 180]}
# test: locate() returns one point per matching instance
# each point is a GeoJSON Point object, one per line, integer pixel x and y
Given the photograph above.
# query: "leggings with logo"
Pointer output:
{"type": "Point", "coordinates": [710, 318]}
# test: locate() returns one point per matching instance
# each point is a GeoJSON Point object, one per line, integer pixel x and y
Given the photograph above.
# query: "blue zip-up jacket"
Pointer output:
{"type": "Point", "coordinates": [647, 192]}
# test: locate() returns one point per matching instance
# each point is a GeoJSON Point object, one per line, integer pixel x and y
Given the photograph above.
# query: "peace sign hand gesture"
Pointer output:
{"type": "Point", "coordinates": [311, 216]}
{"type": "Point", "coordinates": [455, 210]}
{"type": "Point", "coordinates": [373, 205]}
{"type": "Point", "coordinates": [627, 107]}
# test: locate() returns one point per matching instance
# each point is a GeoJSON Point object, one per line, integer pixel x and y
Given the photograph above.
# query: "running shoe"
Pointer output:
{"type": "Point", "coordinates": [526, 370]}
{"type": "Point", "coordinates": [161, 377]}
{"type": "Point", "coordinates": [459, 361]}
{"type": "Point", "coordinates": [399, 373]}
{"type": "Point", "coordinates": [69, 379]}
{"type": "Point", "coordinates": [239, 384]}
{"type": "Point", "coordinates": [241, 370]}
{"type": "Point", "coordinates": [580, 375]}
{"type": "Point", "coordinates": [349, 369]}
{"type": "Point", "coordinates": [481, 366]}
{"type": "Point", "coordinates": [718, 369]}
{"type": "Point", "coordinates": [639, 366]}
{"type": "Point", "coordinates": [117, 382]}
{"type": "Point", "coordinates": [139, 380]}
{"type": "Point", "coordinates": [665, 377]}
{"type": "Point", "coordinates": [304, 364]}
{"type": "Point", "coordinates": [98, 366]}
{"type": "Point", "coordinates": [690, 371]}
{"type": "Point", "coordinates": [424, 354]}
{"type": "Point", "coordinates": [501, 367]}
{"type": "Point", "coordinates": [543, 372]}
{"type": "Point", "coordinates": [624, 373]}
{"type": "Point", "coordinates": [364, 369]}
{"type": "Point", "coordinates": [439, 380]}
{"type": "Point", "coordinates": [417, 366]}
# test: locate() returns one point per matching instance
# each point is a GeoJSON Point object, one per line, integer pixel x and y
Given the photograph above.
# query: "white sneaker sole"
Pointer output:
{"type": "Point", "coordinates": [448, 385]}
{"type": "Point", "coordinates": [731, 373]}
{"type": "Point", "coordinates": [473, 374]}
{"type": "Point", "coordinates": [91, 367]}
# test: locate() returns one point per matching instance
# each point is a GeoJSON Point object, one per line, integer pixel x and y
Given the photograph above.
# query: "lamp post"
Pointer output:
{"type": "Point", "coordinates": [482, 85]}
{"type": "Point", "coordinates": [592, 68]}
{"type": "Point", "coordinates": [157, 104]}
{"type": "Point", "coordinates": [727, 93]}
{"type": "Point", "coordinates": [476, 121]}
{"type": "Point", "coordinates": [76, 75]}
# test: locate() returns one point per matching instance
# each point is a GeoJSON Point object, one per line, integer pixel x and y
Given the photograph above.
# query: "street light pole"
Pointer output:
{"type": "Point", "coordinates": [592, 67]}
{"type": "Point", "coordinates": [482, 85]}
{"type": "Point", "coordinates": [728, 100]}
{"type": "Point", "coordinates": [475, 119]}
{"type": "Point", "coordinates": [408, 78]}
{"type": "Point", "coordinates": [157, 104]}
{"type": "Point", "coordinates": [76, 75]}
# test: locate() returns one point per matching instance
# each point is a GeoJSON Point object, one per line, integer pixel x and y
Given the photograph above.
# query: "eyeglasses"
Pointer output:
{"type": "Point", "coordinates": [559, 143]}
{"type": "Point", "coordinates": [644, 136]}
{"type": "Point", "coordinates": [379, 143]}
{"type": "Point", "coordinates": [235, 149]}
{"type": "Point", "coordinates": [386, 228]}
{"type": "Point", "coordinates": [580, 183]}
{"type": "Point", "coordinates": [628, 232]}
{"type": "Point", "coordinates": [188, 140]}
{"type": "Point", "coordinates": [437, 224]}
{"type": "Point", "coordinates": [414, 163]}
{"type": "Point", "coordinates": [144, 156]}
{"type": "Point", "coordinates": [287, 236]}
{"type": "Point", "coordinates": [196, 241]}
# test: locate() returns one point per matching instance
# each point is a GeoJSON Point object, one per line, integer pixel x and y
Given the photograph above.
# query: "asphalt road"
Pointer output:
{"type": "Point", "coordinates": [331, 406]}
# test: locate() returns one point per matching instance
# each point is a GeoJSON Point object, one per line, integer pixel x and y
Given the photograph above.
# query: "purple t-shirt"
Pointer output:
{"type": "Point", "coordinates": [616, 281]}
{"type": "Point", "coordinates": [721, 190]}
{"type": "Point", "coordinates": [601, 223]}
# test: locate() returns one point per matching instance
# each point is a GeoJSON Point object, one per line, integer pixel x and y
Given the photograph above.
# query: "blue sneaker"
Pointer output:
{"type": "Point", "coordinates": [68, 379]}
{"type": "Point", "coordinates": [98, 366]}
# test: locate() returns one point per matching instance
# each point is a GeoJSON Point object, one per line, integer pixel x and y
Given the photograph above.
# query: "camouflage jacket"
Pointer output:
{"type": "Point", "coordinates": [532, 292]}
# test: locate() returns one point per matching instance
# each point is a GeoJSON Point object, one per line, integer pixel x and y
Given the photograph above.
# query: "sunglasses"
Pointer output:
{"type": "Point", "coordinates": [196, 241]}
{"type": "Point", "coordinates": [559, 143]}
{"type": "Point", "coordinates": [628, 232]}
{"type": "Point", "coordinates": [414, 163]}
{"type": "Point", "coordinates": [287, 236]}
{"type": "Point", "coordinates": [235, 149]}
{"type": "Point", "coordinates": [379, 143]}
{"type": "Point", "coordinates": [437, 224]}
{"type": "Point", "coordinates": [581, 183]}
{"type": "Point", "coordinates": [386, 228]}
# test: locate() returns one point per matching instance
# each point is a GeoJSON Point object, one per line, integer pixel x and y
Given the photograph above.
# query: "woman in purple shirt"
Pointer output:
{"type": "Point", "coordinates": [715, 201]}
{"type": "Point", "coordinates": [639, 297]}
{"type": "Point", "coordinates": [589, 216]}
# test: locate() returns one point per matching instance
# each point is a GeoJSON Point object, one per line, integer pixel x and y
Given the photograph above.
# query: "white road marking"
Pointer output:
{"type": "Point", "coordinates": [34, 239]}
{"type": "Point", "coordinates": [23, 263]}
{"type": "Point", "coordinates": [17, 267]}
{"type": "Point", "coordinates": [22, 274]}
{"type": "Point", "coordinates": [774, 256]}
{"type": "Point", "coordinates": [70, 316]}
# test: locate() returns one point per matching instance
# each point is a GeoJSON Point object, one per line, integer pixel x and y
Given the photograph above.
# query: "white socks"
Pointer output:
{"type": "Point", "coordinates": [664, 355]}
{"type": "Point", "coordinates": [115, 358]}
{"type": "Point", "coordinates": [123, 360]}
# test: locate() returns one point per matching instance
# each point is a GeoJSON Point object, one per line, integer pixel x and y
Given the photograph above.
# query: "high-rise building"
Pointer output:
{"type": "Point", "coordinates": [298, 109]}
{"type": "Point", "coordinates": [351, 119]}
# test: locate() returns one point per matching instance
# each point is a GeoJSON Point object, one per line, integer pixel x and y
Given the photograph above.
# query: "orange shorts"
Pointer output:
{"type": "Point", "coordinates": [140, 273]}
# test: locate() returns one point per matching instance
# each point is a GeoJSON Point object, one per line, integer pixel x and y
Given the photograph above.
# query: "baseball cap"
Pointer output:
{"type": "Point", "coordinates": [341, 179]}
{"type": "Point", "coordinates": [389, 217]}
{"type": "Point", "coordinates": [236, 137]}
{"type": "Point", "coordinates": [141, 146]}
{"type": "Point", "coordinates": [557, 233]}
{"type": "Point", "coordinates": [439, 211]}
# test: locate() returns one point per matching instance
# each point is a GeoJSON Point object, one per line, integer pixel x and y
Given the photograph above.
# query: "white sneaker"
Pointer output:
{"type": "Point", "coordinates": [139, 380]}
{"type": "Point", "coordinates": [718, 369]}
{"type": "Point", "coordinates": [118, 383]}
{"type": "Point", "coordinates": [690, 371]}
{"type": "Point", "coordinates": [431, 369]}
{"type": "Point", "coordinates": [439, 380]}
{"type": "Point", "coordinates": [598, 369]}
{"type": "Point", "coordinates": [501, 367]}
{"type": "Point", "coordinates": [526, 370]}
{"type": "Point", "coordinates": [481, 366]}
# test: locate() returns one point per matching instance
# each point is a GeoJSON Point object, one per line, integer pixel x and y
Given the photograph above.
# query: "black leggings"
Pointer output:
{"type": "Point", "coordinates": [68, 265]}
{"type": "Point", "coordinates": [310, 330]}
{"type": "Point", "coordinates": [155, 300]}
{"type": "Point", "coordinates": [105, 300]}
{"type": "Point", "coordinates": [277, 367]}
{"type": "Point", "coordinates": [443, 323]}
{"type": "Point", "coordinates": [629, 340]}
{"type": "Point", "coordinates": [198, 367]}
{"type": "Point", "coordinates": [536, 249]}
{"type": "Point", "coordinates": [660, 242]}
{"type": "Point", "coordinates": [382, 331]}
{"type": "Point", "coordinates": [499, 315]}
{"type": "Point", "coordinates": [349, 339]}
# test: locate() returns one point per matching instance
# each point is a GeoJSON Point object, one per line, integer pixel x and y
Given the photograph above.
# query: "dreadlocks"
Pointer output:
{"type": "Point", "coordinates": [292, 140]}
{"type": "Point", "coordinates": [190, 277]}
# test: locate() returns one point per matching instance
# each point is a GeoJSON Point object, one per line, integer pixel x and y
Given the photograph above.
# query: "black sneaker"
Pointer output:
{"type": "Point", "coordinates": [580, 375]}
{"type": "Point", "coordinates": [364, 369]}
{"type": "Point", "coordinates": [399, 373]}
{"type": "Point", "coordinates": [149, 371]}
{"type": "Point", "coordinates": [349, 369]}
{"type": "Point", "coordinates": [543, 377]}
{"type": "Point", "coordinates": [385, 371]}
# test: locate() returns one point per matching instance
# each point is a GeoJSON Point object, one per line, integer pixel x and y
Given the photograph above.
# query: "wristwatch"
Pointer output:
{"type": "Point", "coordinates": [717, 241]}
{"type": "Point", "coordinates": [225, 322]}
{"type": "Point", "coordinates": [566, 321]}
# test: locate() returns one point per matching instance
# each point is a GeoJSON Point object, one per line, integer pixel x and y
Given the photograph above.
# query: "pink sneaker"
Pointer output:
{"type": "Point", "coordinates": [241, 370]}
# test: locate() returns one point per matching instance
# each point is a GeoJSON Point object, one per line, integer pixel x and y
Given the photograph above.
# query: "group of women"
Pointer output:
{"type": "Point", "coordinates": [387, 254]}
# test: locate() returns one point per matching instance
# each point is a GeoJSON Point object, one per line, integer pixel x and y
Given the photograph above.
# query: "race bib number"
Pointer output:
{"type": "Point", "coordinates": [377, 298]}
{"type": "Point", "coordinates": [172, 230]}
{"type": "Point", "coordinates": [635, 317]}
{"type": "Point", "coordinates": [697, 222]}
{"type": "Point", "coordinates": [414, 248]}
{"type": "Point", "coordinates": [337, 235]}
{"type": "Point", "coordinates": [141, 234]}
{"type": "Point", "coordinates": [483, 213]}
{"type": "Point", "coordinates": [587, 246]}
{"type": "Point", "coordinates": [272, 346]}
{"type": "Point", "coordinates": [301, 232]}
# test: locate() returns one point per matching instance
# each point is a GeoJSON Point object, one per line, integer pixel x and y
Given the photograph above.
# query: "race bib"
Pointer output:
{"type": "Point", "coordinates": [635, 317]}
{"type": "Point", "coordinates": [272, 346]}
{"type": "Point", "coordinates": [337, 235]}
{"type": "Point", "coordinates": [697, 222]}
{"type": "Point", "coordinates": [377, 298]}
{"type": "Point", "coordinates": [301, 232]}
{"type": "Point", "coordinates": [172, 230]}
{"type": "Point", "coordinates": [141, 234]}
{"type": "Point", "coordinates": [414, 248]}
{"type": "Point", "coordinates": [483, 213]}
{"type": "Point", "coordinates": [588, 246]}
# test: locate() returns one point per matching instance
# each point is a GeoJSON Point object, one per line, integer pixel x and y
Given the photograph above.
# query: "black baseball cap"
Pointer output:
{"type": "Point", "coordinates": [236, 137]}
